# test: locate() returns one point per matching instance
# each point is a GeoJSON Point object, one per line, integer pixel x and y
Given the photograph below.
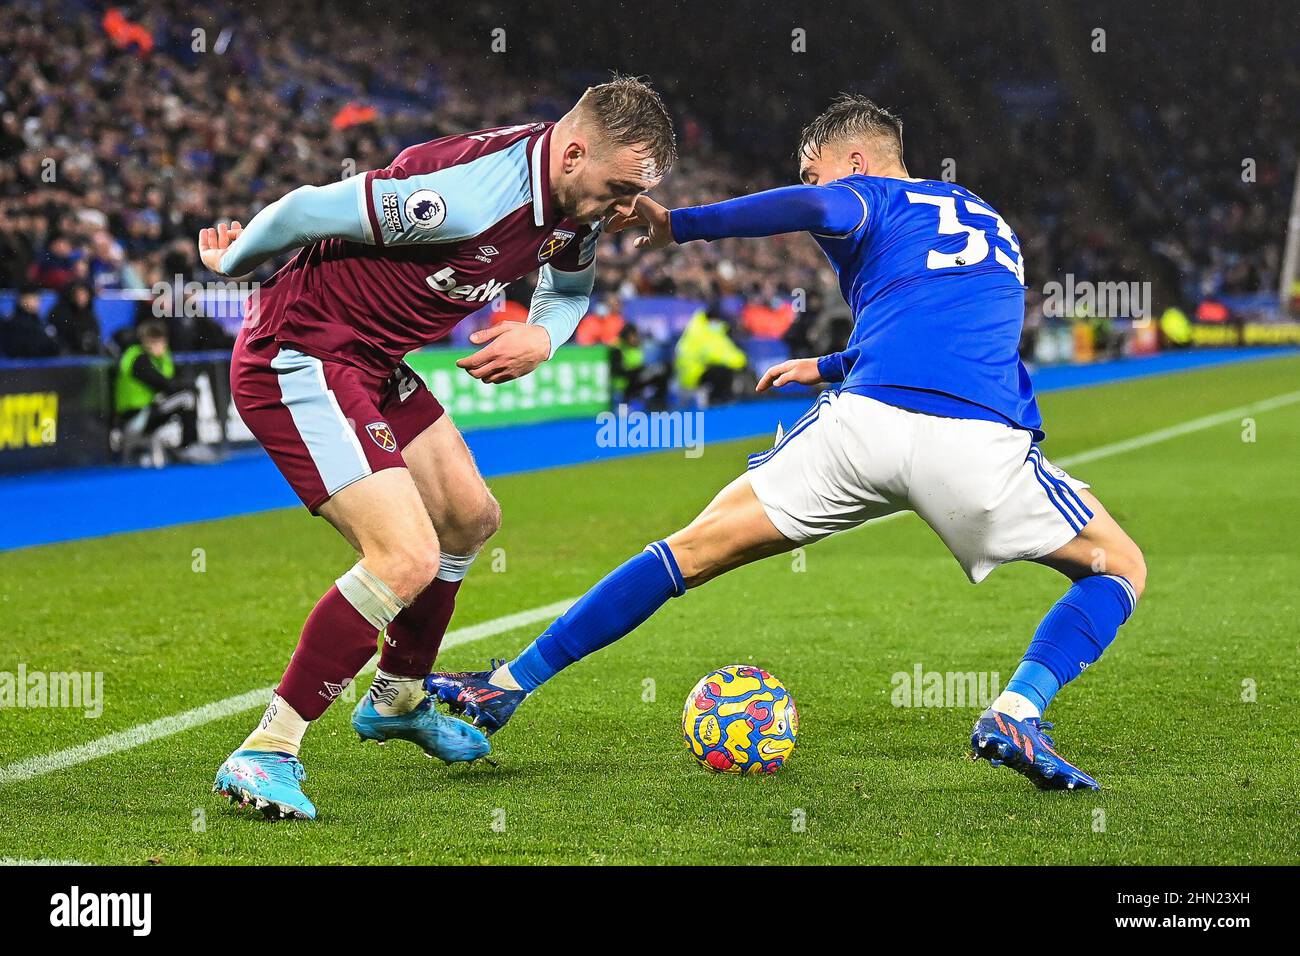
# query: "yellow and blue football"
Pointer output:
{"type": "Point", "coordinates": [740, 719]}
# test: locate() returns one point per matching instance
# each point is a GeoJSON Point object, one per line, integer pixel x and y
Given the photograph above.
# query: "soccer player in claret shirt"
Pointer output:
{"type": "Point", "coordinates": [388, 262]}
{"type": "Point", "coordinates": [932, 412]}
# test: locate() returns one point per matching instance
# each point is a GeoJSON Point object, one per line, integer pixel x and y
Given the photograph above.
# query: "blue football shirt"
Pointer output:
{"type": "Point", "coordinates": [935, 280]}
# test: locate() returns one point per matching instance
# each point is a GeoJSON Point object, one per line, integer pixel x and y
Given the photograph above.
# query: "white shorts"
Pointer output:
{"type": "Point", "coordinates": [985, 488]}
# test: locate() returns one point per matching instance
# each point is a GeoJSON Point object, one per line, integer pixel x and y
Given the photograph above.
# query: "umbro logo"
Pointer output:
{"type": "Point", "coordinates": [332, 690]}
{"type": "Point", "coordinates": [485, 253]}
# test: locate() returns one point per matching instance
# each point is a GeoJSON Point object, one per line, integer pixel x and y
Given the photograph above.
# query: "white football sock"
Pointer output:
{"type": "Point", "coordinates": [1016, 706]}
{"type": "Point", "coordinates": [501, 677]}
{"type": "Point", "coordinates": [393, 695]}
{"type": "Point", "coordinates": [281, 729]}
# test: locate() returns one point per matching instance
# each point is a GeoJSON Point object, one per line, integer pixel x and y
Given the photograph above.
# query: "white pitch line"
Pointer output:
{"type": "Point", "coordinates": [253, 699]}
{"type": "Point", "coordinates": [1177, 431]}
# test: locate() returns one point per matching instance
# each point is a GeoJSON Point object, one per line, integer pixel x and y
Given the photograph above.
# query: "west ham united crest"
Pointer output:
{"type": "Point", "coordinates": [382, 435]}
{"type": "Point", "coordinates": [554, 243]}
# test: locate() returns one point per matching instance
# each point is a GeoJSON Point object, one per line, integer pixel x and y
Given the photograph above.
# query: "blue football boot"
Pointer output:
{"type": "Point", "coordinates": [1025, 748]}
{"type": "Point", "coordinates": [471, 694]}
{"type": "Point", "coordinates": [265, 780]}
{"type": "Point", "coordinates": [438, 736]}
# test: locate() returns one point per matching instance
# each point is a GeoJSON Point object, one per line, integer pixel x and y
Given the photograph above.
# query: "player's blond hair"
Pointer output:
{"type": "Point", "coordinates": [851, 116]}
{"type": "Point", "coordinates": [627, 111]}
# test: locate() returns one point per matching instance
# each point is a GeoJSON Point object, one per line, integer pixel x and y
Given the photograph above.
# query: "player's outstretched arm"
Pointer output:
{"type": "Point", "coordinates": [307, 214]}
{"type": "Point", "coordinates": [648, 215]}
{"type": "Point", "coordinates": [833, 210]}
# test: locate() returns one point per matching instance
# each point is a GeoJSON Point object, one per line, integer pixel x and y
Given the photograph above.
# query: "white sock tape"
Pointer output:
{"type": "Point", "coordinates": [454, 567]}
{"type": "Point", "coordinates": [373, 599]}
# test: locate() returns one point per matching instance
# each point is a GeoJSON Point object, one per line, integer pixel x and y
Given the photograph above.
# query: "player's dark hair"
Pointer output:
{"type": "Point", "coordinates": [852, 116]}
{"type": "Point", "coordinates": [629, 112]}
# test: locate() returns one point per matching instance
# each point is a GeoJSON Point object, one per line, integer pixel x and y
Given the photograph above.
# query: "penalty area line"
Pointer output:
{"type": "Point", "coordinates": [143, 734]}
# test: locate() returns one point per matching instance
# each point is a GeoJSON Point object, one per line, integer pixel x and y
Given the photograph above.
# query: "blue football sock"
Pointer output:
{"type": "Point", "coordinates": [1035, 683]}
{"type": "Point", "coordinates": [1072, 635]}
{"type": "Point", "coordinates": [616, 606]}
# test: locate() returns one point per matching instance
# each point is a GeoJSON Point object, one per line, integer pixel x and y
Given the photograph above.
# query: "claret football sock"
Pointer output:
{"type": "Point", "coordinates": [1073, 635]}
{"type": "Point", "coordinates": [412, 640]}
{"type": "Point", "coordinates": [338, 639]}
{"type": "Point", "coordinates": [281, 729]}
{"type": "Point", "coordinates": [616, 606]}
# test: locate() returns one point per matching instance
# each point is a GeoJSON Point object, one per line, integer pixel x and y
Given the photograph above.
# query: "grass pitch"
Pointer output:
{"type": "Point", "coordinates": [1190, 721]}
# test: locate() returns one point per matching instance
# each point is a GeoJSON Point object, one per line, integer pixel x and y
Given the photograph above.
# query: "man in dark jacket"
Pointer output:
{"type": "Point", "coordinates": [75, 322]}
{"type": "Point", "coordinates": [25, 334]}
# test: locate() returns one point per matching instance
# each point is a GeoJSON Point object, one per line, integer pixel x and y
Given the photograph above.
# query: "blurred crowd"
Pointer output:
{"type": "Point", "coordinates": [124, 129]}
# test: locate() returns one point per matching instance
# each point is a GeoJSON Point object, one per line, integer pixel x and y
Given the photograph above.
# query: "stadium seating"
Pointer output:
{"type": "Point", "coordinates": [214, 128]}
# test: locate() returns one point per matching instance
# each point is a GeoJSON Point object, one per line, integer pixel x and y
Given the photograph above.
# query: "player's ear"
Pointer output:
{"type": "Point", "coordinates": [857, 162]}
{"type": "Point", "coordinates": [574, 154]}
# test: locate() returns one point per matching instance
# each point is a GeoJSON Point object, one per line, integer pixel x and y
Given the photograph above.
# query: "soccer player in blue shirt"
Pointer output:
{"type": "Point", "coordinates": [930, 410]}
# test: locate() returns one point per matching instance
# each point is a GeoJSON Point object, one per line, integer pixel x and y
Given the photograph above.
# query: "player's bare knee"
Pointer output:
{"type": "Point", "coordinates": [470, 528]}
{"type": "Point", "coordinates": [1124, 559]}
{"type": "Point", "coordinates": [420, 570]}
{"type": "Point", "coordinates": [407, 570]}
{"type": "Point", "coordinates": [488, 519]}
